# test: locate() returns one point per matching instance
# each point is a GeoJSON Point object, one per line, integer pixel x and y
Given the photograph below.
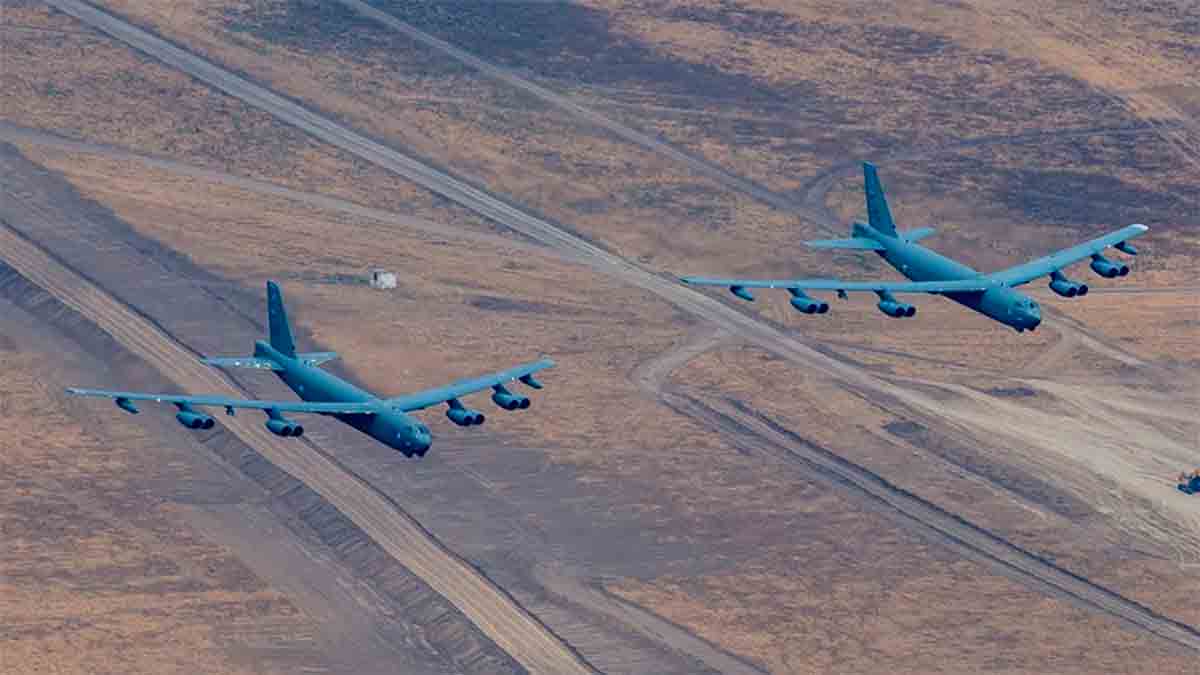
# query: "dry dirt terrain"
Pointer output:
{"type": "Point", "coordinates": [663, 507]}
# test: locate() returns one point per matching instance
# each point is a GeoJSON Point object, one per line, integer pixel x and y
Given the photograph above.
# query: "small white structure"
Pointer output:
{"type": "Point", "coordinates": [382, 279]}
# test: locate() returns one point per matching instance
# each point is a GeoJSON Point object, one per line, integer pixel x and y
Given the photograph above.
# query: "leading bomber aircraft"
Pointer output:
{"type": "Point", "coordinates": [383, 419]}
{"type": "Point", "coordinates": [928, 272]}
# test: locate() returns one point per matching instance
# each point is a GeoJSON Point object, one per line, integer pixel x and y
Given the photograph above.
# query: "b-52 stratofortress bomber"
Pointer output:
{"type": "Point", "coordinates": [928, 272]}
{"type": "Point", "coordinates": [384, 419]}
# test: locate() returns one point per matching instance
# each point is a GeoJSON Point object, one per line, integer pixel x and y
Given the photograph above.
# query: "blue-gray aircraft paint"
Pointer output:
{"type": "Point", "coordinates": [921, 264]}
{"type": "Point", "coordinates": [321, 393]}
{"type": "Point", "coordinates": [929, 272]}
{"type": "Point", "coordinates": [390, 427]}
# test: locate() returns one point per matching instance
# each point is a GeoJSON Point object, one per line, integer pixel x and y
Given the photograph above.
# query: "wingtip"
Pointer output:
{"type": "Point", "coordinates": [1139, 227]}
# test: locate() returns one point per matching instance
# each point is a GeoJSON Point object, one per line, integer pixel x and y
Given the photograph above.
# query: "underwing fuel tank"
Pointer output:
{"type": "Point", "coordinates": [741, 292]}
{"type": "Point", "coordinates": [127, 405]}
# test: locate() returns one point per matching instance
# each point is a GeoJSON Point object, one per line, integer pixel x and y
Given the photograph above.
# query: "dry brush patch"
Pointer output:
{"type": "Point", "coordinates": [836, 607]}
{"type": "Point", "coordinates": [463, 307]}
{"type": "Point", "coordinates": [86, 86]}
{"type": "Point", "coordinates": [93, 578]}
{"type": "Point", "coordinates": [1056, 503]}
{"type": "Point", "coordinates": [642, 206]}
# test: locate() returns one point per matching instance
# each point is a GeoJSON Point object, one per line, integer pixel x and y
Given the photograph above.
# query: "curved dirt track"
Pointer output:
{"type": "Point", "coordinates": [754, 432]}
{"type": "Point", "coordinates": [512, 628]}
{"type": "Point", "coordinates": [1031, 568]}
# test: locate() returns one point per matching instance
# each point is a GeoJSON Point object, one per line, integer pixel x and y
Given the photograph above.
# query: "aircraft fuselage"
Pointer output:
{"type": "Point", "coordinates": [393, 428]}
{"type": "Point", "coordinates": [918, 263]}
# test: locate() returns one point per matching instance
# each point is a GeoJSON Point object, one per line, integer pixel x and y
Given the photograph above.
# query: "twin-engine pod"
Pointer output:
{"type": "Point", "coordinates": [888, 304]}
{"type": "Point", "coordinates": [806, 304]}
{"type": "Point", "coordinates": [1107, 268]}
{"type": "Point", "coordinates": [508, 400]}
{"type": "Point", "coordinates": [192, 419]}
{"type": "Point", "coordinates": [282, 426]}
{"type": "Point", "coordinates": [1066, 287]}
{"type": "Point", "coordinates": [897, 310]}
{"type": "Point", "coordinates": [463, 417]}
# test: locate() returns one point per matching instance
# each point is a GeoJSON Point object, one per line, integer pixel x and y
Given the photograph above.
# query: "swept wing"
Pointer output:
{"type": "Point", "coordinates": [320, 408]}
{"type": "Point", "coordinates": [951, 286]}
{"type": "Point", "coordinates": [424, 399]}
{"type": "Point", "coordinates": [1023, 274]}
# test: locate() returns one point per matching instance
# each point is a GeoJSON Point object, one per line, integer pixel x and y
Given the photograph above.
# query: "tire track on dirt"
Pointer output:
{"type": "Point", "coordinates": [488, 607]}
{"type": "Point", "coordinates": [755, 433]}
{"type": "Point", "coordinates": [696, 164]}
{"type": "Point", "coordinates": [917, 404]}
{"type": "Point", "coordinates": [815, 193]}
{"type": "Point", "coordinates": [18, 134]}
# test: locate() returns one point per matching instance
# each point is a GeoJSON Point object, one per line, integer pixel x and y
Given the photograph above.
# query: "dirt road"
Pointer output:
{"type": "Point", "coordinates": [914, 403]}
{"type": "Point", "coordinates": [488, 607]}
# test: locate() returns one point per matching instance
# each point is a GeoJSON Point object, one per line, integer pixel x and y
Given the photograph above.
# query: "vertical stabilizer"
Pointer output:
{"type": "Point", "coordinates": [878, 213]}
{"type": "Point", "coordinates": [281, 332]}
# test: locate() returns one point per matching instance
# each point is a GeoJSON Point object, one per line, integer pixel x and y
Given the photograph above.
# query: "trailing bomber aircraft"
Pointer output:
{"type": "Point", "coordinates": [928, 272]}
{"type": "Point", "coordinates": [385, 419]}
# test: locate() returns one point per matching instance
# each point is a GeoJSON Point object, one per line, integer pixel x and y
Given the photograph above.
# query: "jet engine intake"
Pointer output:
{"type": "Point", "coordinates": [194, 420]}
{"type": "Point", "coordinates": [1107, 268]}
{"type": "Point", "coordinates": [284, 427]}
{"type": "Point", "coordinates": [463, 417]}
{"type": "Point", "coordinates": [1066, 287]}
{"type": "Point", "coordinates": [897, 309]}
{"type": "Point", "coordinates": [806, 304]}
{"type": "Point", "coordinates": [507, 400]}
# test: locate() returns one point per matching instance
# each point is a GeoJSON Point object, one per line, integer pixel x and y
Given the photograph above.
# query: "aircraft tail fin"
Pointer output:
{"type": "Point", "coordinates": [281, 332]}
{"type": "Point", "coordinates": [878, 214]}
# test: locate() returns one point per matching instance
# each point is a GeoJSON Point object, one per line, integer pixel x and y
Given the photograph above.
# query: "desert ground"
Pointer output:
{"type": "Point", "coordinates": [705, 485]}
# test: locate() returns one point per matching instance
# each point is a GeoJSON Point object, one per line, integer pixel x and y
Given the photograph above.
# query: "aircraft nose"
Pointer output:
{"type": "Point", "coordinates": [421, 441]}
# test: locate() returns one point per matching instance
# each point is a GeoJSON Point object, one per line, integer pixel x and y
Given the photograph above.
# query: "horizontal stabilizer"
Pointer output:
{"type": "Point", "coordinates": [242, 362]}
{"type": "Point", "coordinates": [315, 358]}
{"type": "Point", "coordinates": [917, 234]}
{"type": "Point", "coordinates": [857, 243]}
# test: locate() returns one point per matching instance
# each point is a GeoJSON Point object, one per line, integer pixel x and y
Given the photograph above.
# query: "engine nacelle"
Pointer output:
{"type": "Point", "coordinates": [194, 420]}
{"type": "Point", "coordinates": [507, 400]}
{"type": "Point", "coordinates": [463, 417]}
{"type": "Point", "coordinates": [284, 427]}
{"type": "Point", "coordinates": [1067, 288]}
{"type": "Point", "coordinates": [1107, 268]}
{"type": "Point", "coordinates": [1126, 247]}
{"type": "Point", "coordinates": [897, 309]}
{"type": "Point", "coordinates": [808, 305]}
